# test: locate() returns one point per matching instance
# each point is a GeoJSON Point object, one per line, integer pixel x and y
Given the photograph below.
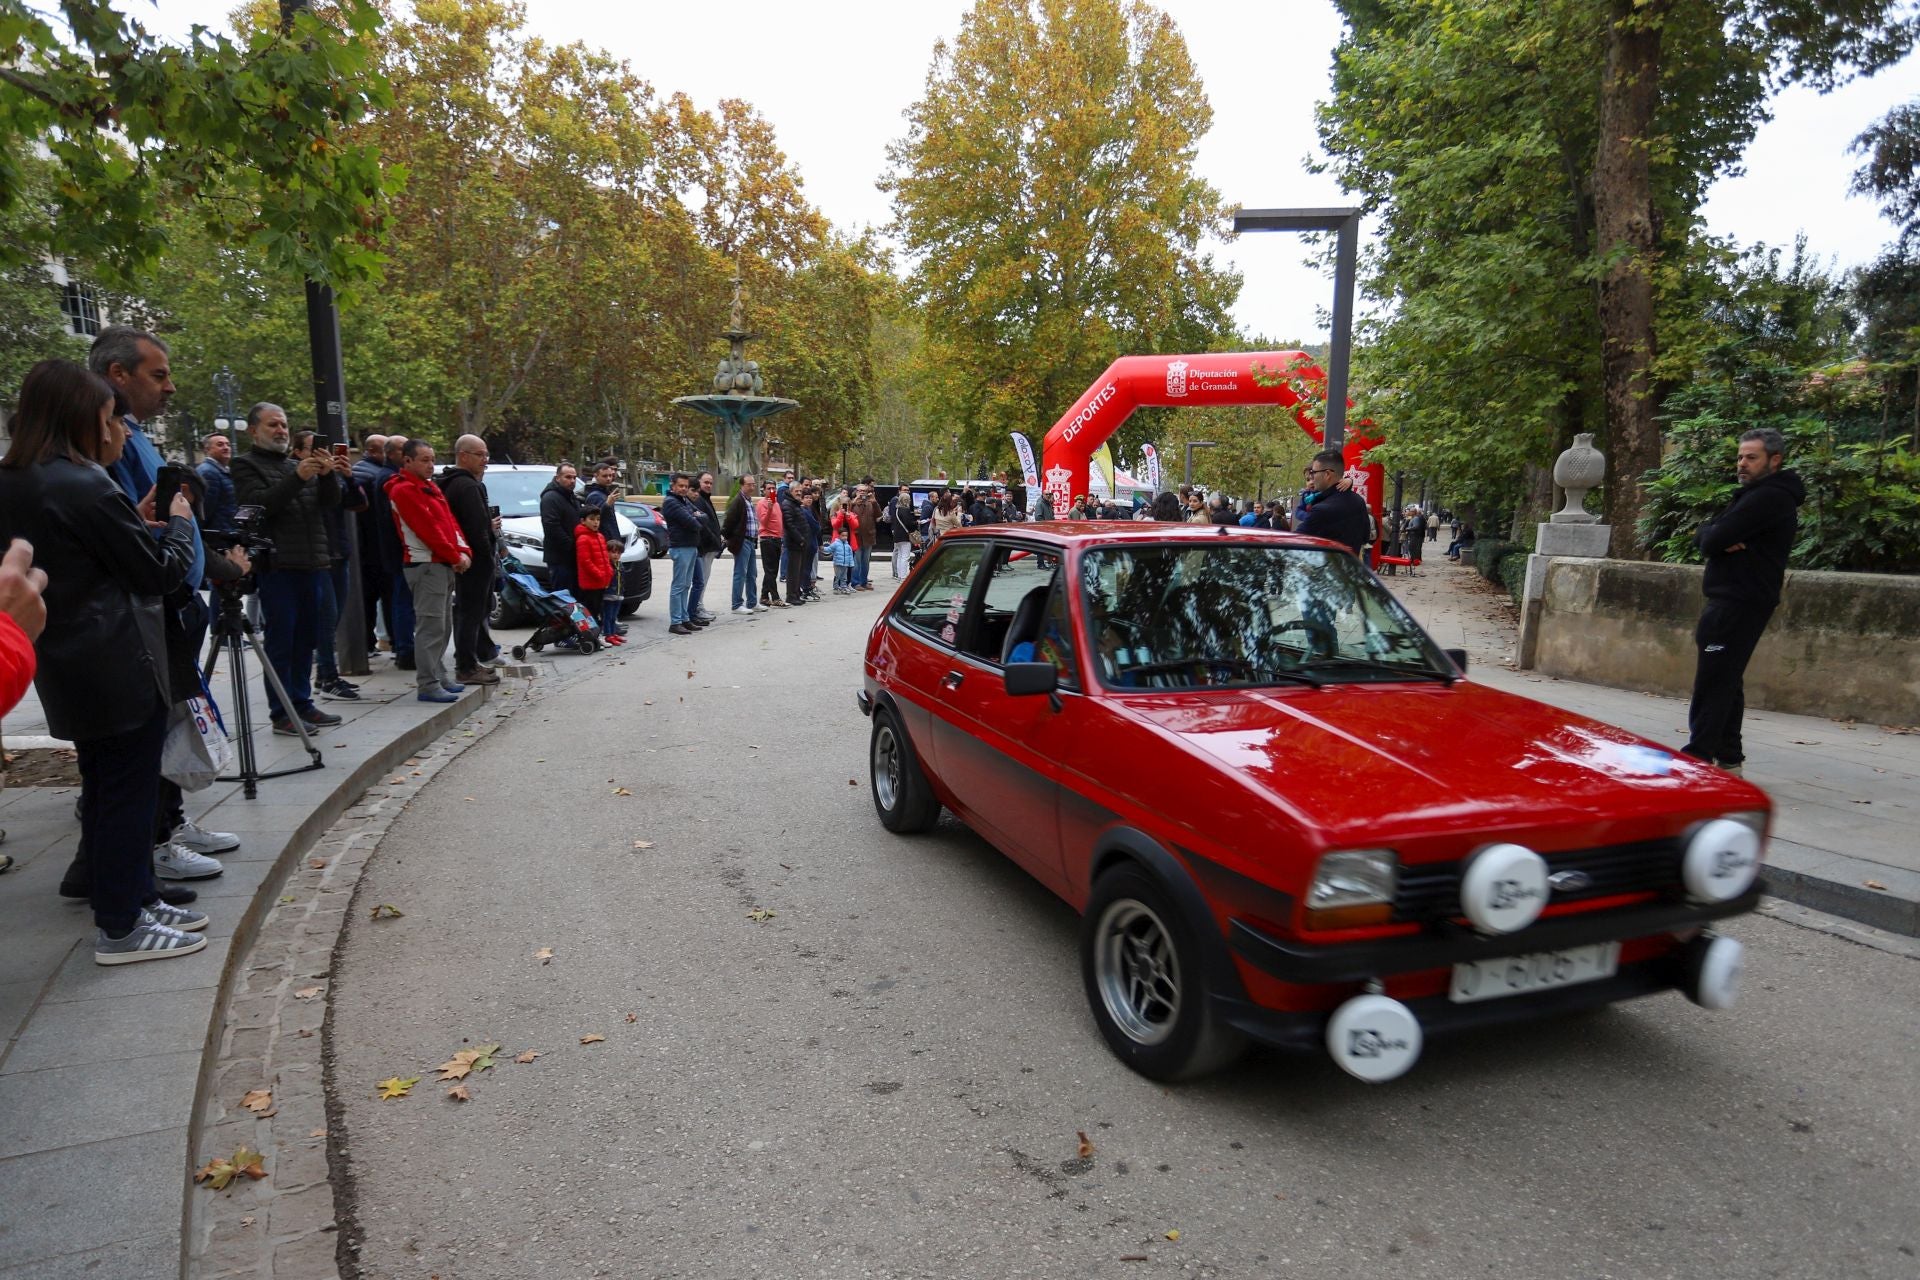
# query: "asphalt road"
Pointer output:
{"type": "Point", "coordinates": [886, 1076]}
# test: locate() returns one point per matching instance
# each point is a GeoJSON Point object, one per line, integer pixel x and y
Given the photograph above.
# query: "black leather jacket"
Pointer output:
{"type": "Point", "coordinates": [295, 519]}
{"type": "Point", "coordinates": [103, 656]}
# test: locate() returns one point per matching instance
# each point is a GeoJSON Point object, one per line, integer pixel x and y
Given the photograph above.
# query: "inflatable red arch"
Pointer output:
{"type": "Point", "coordinates": [1132, 382]}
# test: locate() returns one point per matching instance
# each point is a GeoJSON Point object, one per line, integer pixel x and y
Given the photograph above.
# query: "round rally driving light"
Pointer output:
{"type": "Point", "coordinates": [1504, 888]}
{"type": "Point", "coordinates": [1374, 1038]}
{"type": "Point", "coordinates": [1721, 861]}
{"type": "Point", "coordinates": [1713, 971]}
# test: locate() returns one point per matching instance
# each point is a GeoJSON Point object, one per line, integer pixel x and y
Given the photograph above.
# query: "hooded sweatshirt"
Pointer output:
{"type": "Point", "coordinates": [1762, 520]}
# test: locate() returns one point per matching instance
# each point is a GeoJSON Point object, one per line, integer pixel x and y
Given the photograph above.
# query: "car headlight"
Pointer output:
{"type": "Point", "coordinates": [519, 540]}
{"type": "Point", "coordinates": [1353, 888]}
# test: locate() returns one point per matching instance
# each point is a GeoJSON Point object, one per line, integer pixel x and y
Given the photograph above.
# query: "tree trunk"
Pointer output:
{"type": "Point", "coordinates": [1623, 213]}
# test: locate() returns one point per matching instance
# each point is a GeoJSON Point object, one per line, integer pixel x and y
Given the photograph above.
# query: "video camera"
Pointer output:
{"type": "Point", "coordinates": [245, 534]}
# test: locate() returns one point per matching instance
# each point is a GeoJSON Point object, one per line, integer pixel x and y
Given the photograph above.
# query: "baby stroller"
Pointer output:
{"type": "Point", "coordinates": [557, 612]}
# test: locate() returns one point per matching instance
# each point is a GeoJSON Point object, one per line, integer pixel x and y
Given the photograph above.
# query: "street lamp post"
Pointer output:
{"type": "Point", "coordinates": [1345, 224]}
{"type": "Point", "coordinates": [1191, 446]}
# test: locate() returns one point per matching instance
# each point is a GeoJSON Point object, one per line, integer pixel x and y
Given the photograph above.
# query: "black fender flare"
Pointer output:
{"type": "Point", "coordinates": [1128, 844]}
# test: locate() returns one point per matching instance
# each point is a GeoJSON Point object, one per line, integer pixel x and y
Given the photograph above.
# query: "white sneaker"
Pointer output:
{"type": "Point", "coordinates": [744, 609]}
{"type": "Point", "coordinates": [177, 862]}
{"type": "Point", "coordinates": [759, 608]}
{"type": "Point", "coordinates": [190, 835]}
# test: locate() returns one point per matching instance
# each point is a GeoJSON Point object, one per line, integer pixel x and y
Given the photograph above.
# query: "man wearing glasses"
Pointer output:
{"type": "Point", "coordinates": [1330, 511]}
{"type": "Point", "coordinates": [466, 495]}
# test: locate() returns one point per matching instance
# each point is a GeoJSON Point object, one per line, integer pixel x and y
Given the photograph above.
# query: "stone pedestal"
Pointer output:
{"type": "Point", "coordinates": [1585, 541]}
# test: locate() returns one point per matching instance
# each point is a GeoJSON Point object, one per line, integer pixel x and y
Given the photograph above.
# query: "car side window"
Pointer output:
{"type": "Point", "coordinates": [939, 596]}
{"type": "Point", "coordinates": [1013, 601]}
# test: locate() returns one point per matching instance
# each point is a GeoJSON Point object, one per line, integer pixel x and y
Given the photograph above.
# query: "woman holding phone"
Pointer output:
{"type": "Point", "coordinates": [103, 658]}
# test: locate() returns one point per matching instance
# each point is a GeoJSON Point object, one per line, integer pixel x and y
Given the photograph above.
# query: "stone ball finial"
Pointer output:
{"type": "Point", "coordinates": [1578, 471]}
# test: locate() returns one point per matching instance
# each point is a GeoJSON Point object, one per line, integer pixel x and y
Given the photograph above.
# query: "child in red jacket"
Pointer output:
{"type": "Point", "coordinates": [595, 567]}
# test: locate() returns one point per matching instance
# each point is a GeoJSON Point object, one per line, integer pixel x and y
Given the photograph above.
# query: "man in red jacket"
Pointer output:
{"type": "Point", "coordinates": [432, 550]}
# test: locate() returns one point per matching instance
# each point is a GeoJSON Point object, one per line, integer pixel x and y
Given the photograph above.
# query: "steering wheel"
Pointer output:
{"type": "Point", "coordinates": [1323, 641]}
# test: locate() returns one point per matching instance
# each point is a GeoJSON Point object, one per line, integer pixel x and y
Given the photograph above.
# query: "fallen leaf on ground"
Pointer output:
{"type": "Point", "coordinates": [689, 675]}
{"type": "Point", "coordinates": [318, 1133]}
{"type": "Point", "coordinates": [1133, 1257]}
{"type": "Point", "coordinates": [543, 955]}
{"type": "Point", "coordinates": [397, 1087]}
{"type": "Point", "coordinates": [286, 898]}
{"type": "Point", "coordinates": [592, 1039]}
{"type": "Point", "coordinates": [454, 1069]}
{"type": "Point", "coordinates": [621, 791]}
{"type": "Point", "coordinates": [468, 799]}
{"type": "Point", "coordinates": [853, 782]}
{"type": "Point", "coordinates": [385, 911]}
{"type": "Point", "coordinates": [1086, 1145]}
{"type": "Point", "coordinates": [318, 864]}
{"type": "Point", "coordinates": [218, 1172]}
{"type": "Point", "coordinates": [633, 1017]}
{"type": "Point", "coordinates": [247, 1221]}
{"type": "Point", "coordinates": [459, 1093]}
{"type": "Point", "coordinates": [643, 844]}
{"type": "Point", "coordinates": [1173, 1233]}
{"type": "Point", "coordinates": [258, 1101]}
{"type": "Point", "coordinates": [527, 1056]}
{"type": "Point", "coordinates": [1873, 884]}
{"type": "Point", "coordinates": [760, 913]}
{"type": "Point", "coordinates": [307, 993]}
{"type": "Point", "coordinates": [753, 746]}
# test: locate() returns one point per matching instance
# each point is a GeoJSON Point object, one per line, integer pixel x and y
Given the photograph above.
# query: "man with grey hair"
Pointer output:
{"type": "Point", "coordinates": [295, 495]}
{"type": "Point", "coordinates": [1746, 548]}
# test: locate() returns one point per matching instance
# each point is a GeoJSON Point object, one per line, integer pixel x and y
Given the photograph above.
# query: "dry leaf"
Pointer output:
{"type": "Point", "coordinates": [318, 864]}
{"type": "Point", "coordinates": [528, 1056]}
{"type": "Point", "coordinates": [454, 1069]}
{"type": "Point", "coordinates": [633, 1017]}
{"type": "Point", "coordinates": [689, 675]}
{"type": "Point", "coordinates": [247, 1221]}
{"type": "Point", "coordinates": [1173, 1233]}
{"type": "Point", "coordinates": [285, 898]}
{"type": "Point", "coordinates": [761, 913]}
{"type": "Point", "coordinates": [385, 911]}
{"type": "Point", "coordinates": [621, 791]}
{"type": "Point", "coordinates": [543, 955]}
{"type": "Point", "coordinates": [305, 1033]}
{"type": "Point", "coordinates": [397, 1087]}
{"type": "Point", "coordinates": [258, 1101]}
{"type": "Point", "coordinates": [853, 782]}
{"type": "Point", "coordinates": [307, 993]}
{"type": "Point", "coordinates": [647, 703]}
{"type": "Point", "coordinates": [1873, 884]}
{"type": "Point", "coordinates": [218, 1172]}
{"type": "Point", "coordinates": [459, 1093]}
{"type": "Point", "coordinates": [1086, 1145]}
{"type": "Point", "coordinates": [643, 844]}
{"type": "Point", "coordinates": [318, 1133]}
{"type": "Point", "coordinates": [592, 1039]}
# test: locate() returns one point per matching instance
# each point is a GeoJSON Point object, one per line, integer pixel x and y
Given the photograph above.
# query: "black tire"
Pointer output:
{"type": "Point", "coordinates": [902, 796]}
{"type": "Point", "coordinates": [1146, 982]}
{"type": "Point", "coordinates": [504, 616]}
{"type": "Point", "coordinates": [519, 653]}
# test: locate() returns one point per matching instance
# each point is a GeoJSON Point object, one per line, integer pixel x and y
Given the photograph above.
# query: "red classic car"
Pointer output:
{"type": "Point", "coordinates": [1284, 814]}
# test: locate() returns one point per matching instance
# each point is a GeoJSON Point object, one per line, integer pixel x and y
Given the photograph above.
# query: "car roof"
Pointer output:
{"type": "Point", "coordinates": [1084, 533]}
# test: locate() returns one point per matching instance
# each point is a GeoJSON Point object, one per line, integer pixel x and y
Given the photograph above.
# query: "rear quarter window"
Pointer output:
{"type": "Point", "coordinates": [937, 600]}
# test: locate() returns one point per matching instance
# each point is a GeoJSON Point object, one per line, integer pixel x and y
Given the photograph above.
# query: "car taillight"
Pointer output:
{"type": "Point", "coordinates": [1352, 889]}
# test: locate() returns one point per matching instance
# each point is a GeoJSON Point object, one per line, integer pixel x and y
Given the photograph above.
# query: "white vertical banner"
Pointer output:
{"type": "Point", "coordinates": [1028, 471]}
{"type": "Point", "coordinates": [1152, 469]}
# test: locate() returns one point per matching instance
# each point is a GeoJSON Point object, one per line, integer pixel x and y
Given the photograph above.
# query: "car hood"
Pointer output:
{"type": "Point", "coordinates": [529, 526]}
{"type": "Point", "coordinates": [1369, 763]}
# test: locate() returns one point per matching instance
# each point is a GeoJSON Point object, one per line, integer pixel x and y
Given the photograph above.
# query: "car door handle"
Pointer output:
{"type": "Point", "coordinates": [952, 679]}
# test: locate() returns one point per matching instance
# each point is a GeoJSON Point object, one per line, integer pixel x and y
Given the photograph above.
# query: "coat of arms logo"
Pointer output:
{"type": "Point", "coordinates": [1177, 378]}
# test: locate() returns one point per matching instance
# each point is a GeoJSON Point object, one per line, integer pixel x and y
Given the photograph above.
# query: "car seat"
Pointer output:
{"type": "Point", "coordinates": [1026, 620]}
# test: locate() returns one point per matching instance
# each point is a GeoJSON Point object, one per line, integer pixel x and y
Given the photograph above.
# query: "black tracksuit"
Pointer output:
{"type": "Point", "coordinates": [1742, 589]}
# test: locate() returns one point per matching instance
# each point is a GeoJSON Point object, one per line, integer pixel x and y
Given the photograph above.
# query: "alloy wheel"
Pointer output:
{"type": "Point", "coordinates": [1137, 972]}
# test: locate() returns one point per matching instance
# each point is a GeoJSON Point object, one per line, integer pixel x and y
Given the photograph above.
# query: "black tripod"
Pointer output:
{"type": "Point", "coordinates": [234, 632]}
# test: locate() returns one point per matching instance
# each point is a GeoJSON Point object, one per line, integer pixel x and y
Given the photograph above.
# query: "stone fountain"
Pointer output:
{"type": "Point", "coordinates": [737, 404]}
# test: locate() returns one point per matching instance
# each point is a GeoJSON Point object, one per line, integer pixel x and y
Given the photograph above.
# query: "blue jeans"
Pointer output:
{"type": "Point", "coordinates": [333, 590]}
{"type": "Point", "coordinates": [290, 605]}
{"type": "Point", "coordinates": [842, 576]}
{"type": "Point", "coordinates": [702, 570]}
{"type": "Point", "coordinates": [745, 594]}
{"type": "Point", "coordinates": [862, 566]}
{"type": "Point", "coordinates": [610, 616]}
{"type": "Point", "coordinates": [686, 563]}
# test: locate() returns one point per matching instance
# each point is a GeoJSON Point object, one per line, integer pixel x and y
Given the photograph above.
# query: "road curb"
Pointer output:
{"type": "Point", "coordinates": [1855, 902]}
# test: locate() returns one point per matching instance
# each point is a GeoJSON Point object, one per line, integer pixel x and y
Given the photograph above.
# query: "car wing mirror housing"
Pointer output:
{"type": "Point", "coordinates": [1458, 657]}
{"type": "Point", "coordinates": [1024, 679]}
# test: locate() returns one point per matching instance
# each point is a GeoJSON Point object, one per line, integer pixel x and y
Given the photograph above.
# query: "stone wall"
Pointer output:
{"type": "Point", "coordinates": [1845, 645]}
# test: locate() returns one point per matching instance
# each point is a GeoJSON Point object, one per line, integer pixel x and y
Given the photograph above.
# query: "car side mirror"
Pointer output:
{"type": "Point", "coordinates": [1024, 679]}
{"type": "Point", "coordinates": [1458, 657]}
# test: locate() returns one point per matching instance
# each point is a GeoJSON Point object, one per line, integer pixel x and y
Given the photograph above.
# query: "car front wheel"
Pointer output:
{"type": "Point", "coordinates": [1145, 982]}
{"type": "Point", "coordinates": [902, 796]}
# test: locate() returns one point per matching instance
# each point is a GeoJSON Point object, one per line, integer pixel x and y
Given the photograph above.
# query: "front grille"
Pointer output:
{"type": "Point", "coordinates": [1430, 892]}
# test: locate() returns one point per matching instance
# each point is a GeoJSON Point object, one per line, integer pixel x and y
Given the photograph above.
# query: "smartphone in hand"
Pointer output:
{"type": "Point", "coordinates": [168, 481]}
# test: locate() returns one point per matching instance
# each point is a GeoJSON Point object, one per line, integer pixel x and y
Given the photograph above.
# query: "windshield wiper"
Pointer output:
{"type": "Point", "coordinates": [1391, 668]}
{"type": "Point", "coordinates": [1183, 664]}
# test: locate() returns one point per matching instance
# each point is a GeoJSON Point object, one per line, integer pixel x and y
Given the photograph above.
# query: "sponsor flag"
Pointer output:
{"type": "Point", "coordinates": [1100, 474]}
{"type": "Point", "coordinates": [1028, 471]}
{"type": "Point", "coordinates": [1152, 469]}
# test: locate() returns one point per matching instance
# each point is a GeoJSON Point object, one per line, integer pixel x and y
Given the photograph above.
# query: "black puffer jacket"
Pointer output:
{"type": "Point", "coordinates": [295, 508]}
{"type": "Point", "coordinates": [1761, 520]}
{"type": "Point", "coordinates": [559, 516]}
{"type": "Point", "coordinates": [103, 656]}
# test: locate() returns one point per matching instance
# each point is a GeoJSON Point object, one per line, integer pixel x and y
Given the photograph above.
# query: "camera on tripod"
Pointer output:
{"type": "Point", "coordinates": [245, 534]}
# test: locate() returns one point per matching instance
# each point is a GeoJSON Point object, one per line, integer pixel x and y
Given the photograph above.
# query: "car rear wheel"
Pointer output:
{"type": "Point", "coordinates": [1145, 982]}
{"type": "Point", "coordinates": [503, 616]}
{"type": "Point", "coordinates": [902, 796]}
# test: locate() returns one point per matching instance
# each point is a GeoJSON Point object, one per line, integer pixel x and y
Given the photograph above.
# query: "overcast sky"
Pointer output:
{"type": "Point", "coordinates": [834, 76]}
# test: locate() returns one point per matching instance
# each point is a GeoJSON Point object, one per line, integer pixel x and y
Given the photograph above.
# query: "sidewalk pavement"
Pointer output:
{"type": "Point", "coordinates": [100, 1067]}
{"type": "Point", "coordinates": [1846, 796]}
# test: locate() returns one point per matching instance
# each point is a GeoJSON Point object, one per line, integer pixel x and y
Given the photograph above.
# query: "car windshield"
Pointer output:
{"type": "Point", "coordinates": [1181, 616]}
{"type": "Point", "coordinates": [517, 493]}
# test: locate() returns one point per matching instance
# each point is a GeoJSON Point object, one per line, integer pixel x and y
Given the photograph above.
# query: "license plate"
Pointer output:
{"type": "Point", "coordinates": [1516, 975]}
